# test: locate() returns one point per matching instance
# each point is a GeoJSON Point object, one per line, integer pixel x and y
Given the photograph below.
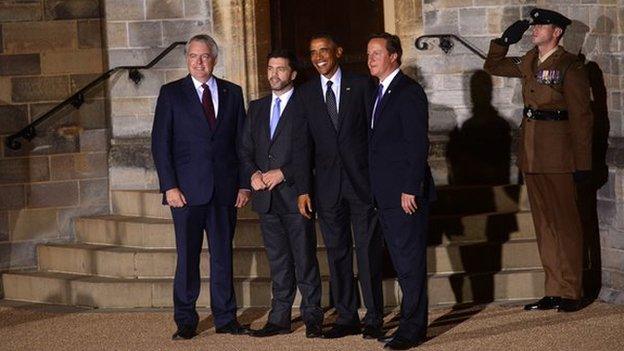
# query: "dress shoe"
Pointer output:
{"type": "Point", "coordinates": [569, 305]}
{"type": "Point", "coordinates": [270, 329]}
{"type": "Point", "coordinates": [400, 343]}
{"type": "Point", "coordinates": [546, 303]}
{"type": "Point", "coordinates": [339, 331]}
{"type": "Point", "coordinates": [184, 332]}
{"type": "Point", "coordinates": [233, 328]}
{"type": "Point", "coordinates": [372, 332]}
{"type": "Point", "coordinates": [314, 331]}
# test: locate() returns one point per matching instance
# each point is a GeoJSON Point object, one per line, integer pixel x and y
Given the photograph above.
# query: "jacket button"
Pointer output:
{"type": "Point", "coordinates": [532, 90]}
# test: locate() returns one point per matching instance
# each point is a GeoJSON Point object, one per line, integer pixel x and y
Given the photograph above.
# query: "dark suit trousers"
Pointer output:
{"type": "Point", "coordinates": [290, 243]}
{"type": "Point", "coordinates": [336, 225]}
{"type": "Point", "coordinates": [190, 222]}
{"type": "Point", "coordinates": [406, 238]}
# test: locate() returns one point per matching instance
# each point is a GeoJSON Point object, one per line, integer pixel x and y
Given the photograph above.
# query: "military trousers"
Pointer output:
{"type": "Point", "coordinates": [559, 232]}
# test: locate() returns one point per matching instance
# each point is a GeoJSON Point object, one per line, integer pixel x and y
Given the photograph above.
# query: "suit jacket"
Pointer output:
{"type": "Point", "coordinates": [188, 154]}
{"type": "Point", "coordinates": [399, 144]}
{"type": "Point", "coordinates": [261, 153]}
{"type": "Point", "coordinates": [550, 146]}
{"type": "Point", "coordinates": [328, 152]}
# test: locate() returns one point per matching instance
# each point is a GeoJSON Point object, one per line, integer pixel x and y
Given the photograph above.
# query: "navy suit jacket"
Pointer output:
{"type": "Point", "coordinates": [188, 154]}
{"type": "Point", "coordinates": [261, 153]}
{"type": "Point", "coordinates": [399, 144]}
{"type": "Point", "coordinates": [326, 151]}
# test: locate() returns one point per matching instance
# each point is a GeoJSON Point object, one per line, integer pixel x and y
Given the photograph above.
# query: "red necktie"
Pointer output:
{"type": "Point", "coordinates": [208, 107]}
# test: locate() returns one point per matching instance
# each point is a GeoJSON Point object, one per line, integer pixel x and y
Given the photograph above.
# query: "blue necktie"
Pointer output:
{"type": "Point", "coordinates": [377, 103]}
{"type": "Point", "coordinates": [275, 116]}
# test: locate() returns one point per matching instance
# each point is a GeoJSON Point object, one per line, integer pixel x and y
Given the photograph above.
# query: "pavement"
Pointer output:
{"type": "Point", "coordinates": [497, 326]}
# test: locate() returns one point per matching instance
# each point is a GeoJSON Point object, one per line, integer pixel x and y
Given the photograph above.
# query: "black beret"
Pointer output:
{"type": "Point", "coordinates": [543, 16]}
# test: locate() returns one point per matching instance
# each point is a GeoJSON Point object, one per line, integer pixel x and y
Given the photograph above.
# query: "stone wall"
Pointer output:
{"type": "Point", "coordinates": [49, 49]}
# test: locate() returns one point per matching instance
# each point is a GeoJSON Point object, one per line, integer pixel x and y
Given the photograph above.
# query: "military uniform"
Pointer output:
{"type": "Point", "coordinates": [555, 141]}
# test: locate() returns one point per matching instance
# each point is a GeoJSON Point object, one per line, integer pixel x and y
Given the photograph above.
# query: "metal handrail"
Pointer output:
{"type": "Point", "coordinates": [29, 132]}
{"type": "Point", "coordinates": [446, 44]}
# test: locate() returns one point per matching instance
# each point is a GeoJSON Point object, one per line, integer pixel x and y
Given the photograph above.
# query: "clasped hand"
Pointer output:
{"type": "Point", "coordinates": [267, 180]}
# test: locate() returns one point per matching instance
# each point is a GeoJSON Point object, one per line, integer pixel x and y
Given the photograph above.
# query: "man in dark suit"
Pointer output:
{"type": "Point", "coordinates": [333, 142]}
{"type": "Point", "coordinates": [401, 181]}
{"type": "Point", "coordinates": [197, 124]}
{"type": "Point", "coordinates": [289, 238]}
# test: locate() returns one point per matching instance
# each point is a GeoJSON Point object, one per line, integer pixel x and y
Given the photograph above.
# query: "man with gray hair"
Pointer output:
{"type": "Point", "coordinates": [197, 125]}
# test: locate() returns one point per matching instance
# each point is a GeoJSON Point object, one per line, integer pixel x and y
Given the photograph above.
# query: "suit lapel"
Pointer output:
{"type": "Point", "coordinates": [265, 118]}
{"type": "Point", "coordinates": [388, 95]}
{"type": "Point", "coordinates": [193, 102]}
{"type": "Point", "coordinates": [223, 102]}
{"type": "Point", "coordinates": [345, 100]}
{"type": "Point", "coordinates": [319, 100]}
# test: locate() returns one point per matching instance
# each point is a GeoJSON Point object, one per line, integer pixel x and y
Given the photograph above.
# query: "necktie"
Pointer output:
{"type": "Point", "coordinates": [209, 111]}
{"type": "Point", "coordinates": [377, 103]}
{"type": "Point", "coordinates": [275, 116]}
{"type": "Point", "coordinates": [330, 100]}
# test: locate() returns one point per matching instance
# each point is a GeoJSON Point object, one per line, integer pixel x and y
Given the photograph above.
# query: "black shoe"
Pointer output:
{"type": "Point", "coordinates": [270, 329]}
{"type": "Point", "coordinates": [546, 303]}
{"type": "Point", "coordinates": [372, 332]}
{"type": "Point", "coordinates": [233, 328]}
{"type": "Point", "coordinates": [399, 343]}
{"type": "Point", "coordinates": [314, 331]}
{"type": "Point", "coordinates": [184, 332]}
{"type": "Point", "coordinates": [339, 331]}
{"type": "Point", "coordinates": [386, 338]}
{"type": "Point", "coordinates": [569, 305]}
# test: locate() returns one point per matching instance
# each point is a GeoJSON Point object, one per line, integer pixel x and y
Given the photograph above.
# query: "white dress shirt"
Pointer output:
{"type": "Point", "coordinates": [336, 80]}
{"type": "Point", "coordinates": [283, 101]}
{"type": "Point", "coordinates": [386, 83]}
{"type": "Point", "coordinates": [214, 92]}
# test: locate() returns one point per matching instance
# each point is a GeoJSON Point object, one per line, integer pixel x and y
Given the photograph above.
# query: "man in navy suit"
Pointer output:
{"type": "Point", "coordinates": [289, 238]}
{"type": "Point", "coordinates": [197, 127]}
{"type": "Point", "coordinates": [401, 181]}
{"type": "Point", "coordinates": [332, 162]}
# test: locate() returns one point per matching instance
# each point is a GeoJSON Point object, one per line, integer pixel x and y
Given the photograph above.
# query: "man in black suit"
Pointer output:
{"type": "Point", "coordinates": [333, 142]}
{"type": "Point", "coordinates": [289, 238]}
{"type": "Point", "coordinates": [401, 181]}
{"type": "Point", "coordinates": [197, 124]}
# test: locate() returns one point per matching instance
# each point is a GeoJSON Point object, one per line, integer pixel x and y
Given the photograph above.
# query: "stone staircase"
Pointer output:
{"type": "Point", "coordinates": [481, 248]}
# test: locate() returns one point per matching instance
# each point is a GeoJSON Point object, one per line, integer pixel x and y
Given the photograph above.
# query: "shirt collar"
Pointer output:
{"type": "Point", "coordinates": [547, 55]}
{"type": "Point", "coordinates": [386, 82]}
{"type": "Point", "coordinates": [336, 78]}
{"type": "Point", "coordinates": [284, 97]}
{"type": "Point", "coordinates": [212, 83]}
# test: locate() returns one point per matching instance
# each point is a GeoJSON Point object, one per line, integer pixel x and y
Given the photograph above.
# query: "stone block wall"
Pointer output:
{"type": "Point", "coordinates": [49, 50]}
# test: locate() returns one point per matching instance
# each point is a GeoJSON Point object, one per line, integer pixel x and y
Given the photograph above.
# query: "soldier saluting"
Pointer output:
{"type": "Point", "coordinates": [555, 147]}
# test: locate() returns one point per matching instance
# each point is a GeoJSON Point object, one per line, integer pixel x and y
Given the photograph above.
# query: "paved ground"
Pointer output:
{"type": "Point", "coordinates": [495, 327]}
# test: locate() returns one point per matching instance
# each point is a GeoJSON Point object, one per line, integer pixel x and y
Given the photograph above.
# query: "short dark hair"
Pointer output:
{"type": "Point", "coordinates": [325, 35]}
{"type": "Point", "coordinates": [393, 44]}
{"type": "Point", "coordinates": [285, 54]}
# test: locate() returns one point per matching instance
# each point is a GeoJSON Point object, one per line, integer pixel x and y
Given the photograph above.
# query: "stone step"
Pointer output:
{"type": "Point", "coordinates": [252, 262]}
{"type": "Point", "coordinates": [451, 200]}
{"type": "Point", "coordinates": [146, 232]}
{"type": "Point", "coordinates": [101, 292]}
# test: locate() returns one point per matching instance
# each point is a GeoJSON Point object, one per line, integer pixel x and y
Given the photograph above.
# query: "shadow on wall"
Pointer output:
{"type": "Point", "coordinates": [579, 39]}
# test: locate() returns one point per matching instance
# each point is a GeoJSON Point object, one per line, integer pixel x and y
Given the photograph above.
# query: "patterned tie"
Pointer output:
{"type": "Point", "coordinates": [377, 103]}
{"type": "Point", "coordinates": [330, 100]}
{"type": "Point", "coordinates": [275, 116]}
{"type": "Point", "coordinates": [209, 111]}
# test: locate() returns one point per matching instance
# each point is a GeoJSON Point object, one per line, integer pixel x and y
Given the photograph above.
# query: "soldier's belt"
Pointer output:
{"type": "Point", "coordinates": [545, 115]}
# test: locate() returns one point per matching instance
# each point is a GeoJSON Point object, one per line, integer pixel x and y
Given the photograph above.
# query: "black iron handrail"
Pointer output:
{"type": "Point", "coordinates": [29, 132]}
{"type": "Point", "coordinates": [446, 44]}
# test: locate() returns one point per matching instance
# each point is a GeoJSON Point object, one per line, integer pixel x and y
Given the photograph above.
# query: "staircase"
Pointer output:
{"type": "Point", "coordinates": [481, 248]}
